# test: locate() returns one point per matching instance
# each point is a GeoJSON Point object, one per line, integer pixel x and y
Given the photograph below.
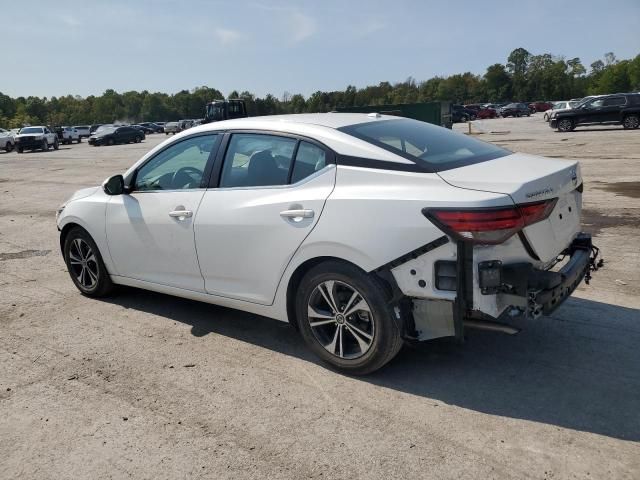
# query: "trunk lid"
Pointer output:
{"type": "Point", "coordinates": [530, 178]}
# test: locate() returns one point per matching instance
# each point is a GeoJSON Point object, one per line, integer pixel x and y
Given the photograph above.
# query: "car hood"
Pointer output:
{"type": "Point", "coordinates": [82, 193]}
{"type": "Point", "coordinates": [20, 135]}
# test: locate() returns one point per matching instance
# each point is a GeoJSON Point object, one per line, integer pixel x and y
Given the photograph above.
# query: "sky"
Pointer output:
{"type": "Point", "coordinates": [85, 47]}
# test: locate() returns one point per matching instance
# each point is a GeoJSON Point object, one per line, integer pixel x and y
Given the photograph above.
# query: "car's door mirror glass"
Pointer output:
{"type": "Point", "coordinates": [114, 185]}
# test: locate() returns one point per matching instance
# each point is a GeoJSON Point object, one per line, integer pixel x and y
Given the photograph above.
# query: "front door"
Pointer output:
{"type": "Point", "coordinates": [150, 230]}
{"type": "Point", "coordinates": [270, 195]}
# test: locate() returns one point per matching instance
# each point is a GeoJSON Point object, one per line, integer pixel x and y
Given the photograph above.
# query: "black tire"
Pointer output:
{"type": "Point", "coordinates": [565, 125]}
{"type": "Point", "coordinates": [45, 145]}
{"type": "Point", "coordinates": [385, 341]}
{"type": "Point", "coordinates": [8, 147]}
{"type": "Point", "coordinates": [103, 285]}
{"type": "Point", "coordinates": [138, 139]}
{"type": "Point", "coordinates": [20, 150]}
{"type": "Point", "coordinates": [631, 122]}
{"type": "Point", "coordinates": [55, 144]}
{"type": "Point", "coordinates": [79, 139]}
{"type": "Point", "coordinates": [110, 142]}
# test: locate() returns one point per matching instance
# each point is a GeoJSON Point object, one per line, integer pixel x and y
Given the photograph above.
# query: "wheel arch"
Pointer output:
{"type": "Point", "coordinates": [302, 269]}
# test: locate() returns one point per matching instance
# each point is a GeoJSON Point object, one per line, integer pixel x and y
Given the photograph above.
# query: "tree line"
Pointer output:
{"type": "Point", "coordinates": [524, 77]}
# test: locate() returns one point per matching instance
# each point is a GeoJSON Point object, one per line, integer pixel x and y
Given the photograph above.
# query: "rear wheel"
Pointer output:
{"type": "Point", "coordinates": [85, 264]}
{"type": "Point", "coordinates": [630, 122]}
{"type": "Point", "coordinates": [565, 125]}
{"type": "Point", "coordinates": [20, 150]}
{"type": "Point", "coordinates": [344, 318]}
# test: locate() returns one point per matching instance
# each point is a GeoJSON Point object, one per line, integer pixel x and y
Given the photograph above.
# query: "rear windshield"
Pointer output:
{"type": "Point", "coordinates": [432, 147]}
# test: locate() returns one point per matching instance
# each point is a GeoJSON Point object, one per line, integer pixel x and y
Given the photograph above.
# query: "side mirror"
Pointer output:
{"type": "Point", "coordinates": [114, 185]}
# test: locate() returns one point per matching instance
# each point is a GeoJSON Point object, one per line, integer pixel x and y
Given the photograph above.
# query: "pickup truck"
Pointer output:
{"type": "Point", "coordinates": [35, 138]}
{"type": "Point", "coordinates": [6, 140]}
{"type": "Point", "coordinates": [67, 135]}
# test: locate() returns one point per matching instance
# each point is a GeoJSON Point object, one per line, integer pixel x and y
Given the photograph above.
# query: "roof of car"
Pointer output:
{"type": "Point", "coordinates": [331, 120]}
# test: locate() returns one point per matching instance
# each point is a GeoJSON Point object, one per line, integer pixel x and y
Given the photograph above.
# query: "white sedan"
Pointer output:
{"type": "Point", "coordinates": [362, 230]}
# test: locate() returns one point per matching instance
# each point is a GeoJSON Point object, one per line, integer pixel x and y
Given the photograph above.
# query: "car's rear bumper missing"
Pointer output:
{"type": "Point", "coordinates": [544, 290]}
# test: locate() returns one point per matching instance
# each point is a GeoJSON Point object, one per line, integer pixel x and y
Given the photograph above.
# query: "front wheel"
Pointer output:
{"type": "Point", "coordinates": [79, 139]}
{"type": "Point", "coordinates": [56, 145]}
{"type": "Point", "coordinates": [85, 264]}
{"type": "Point", "coordinates": [565, 125]}
{"type": "Point", "coordinates": [8, 147]}
{"type": "Point", "coordinates": [631, 122]}
{"type": "Point", "coordinates": [138, 139]}
{"type": "Point", "coordinates": [343, 316]}
{"type": "Point", "coordinates": [45, 146]}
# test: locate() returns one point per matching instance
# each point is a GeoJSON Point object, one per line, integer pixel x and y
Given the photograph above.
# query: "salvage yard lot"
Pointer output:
{"type": "Point", "coordinates": [144, 385]}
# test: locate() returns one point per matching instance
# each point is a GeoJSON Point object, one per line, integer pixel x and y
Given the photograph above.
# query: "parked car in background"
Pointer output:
{"type": "Point", "coordinates": [540, 106]}
{"type": "Point", "coordinates": [35, 138]}
{"type": "Point", "coordinates": [445, 232]}
{"type": "Point", "coordinates": [67, 135]}
{"type": "Point", "coordinates": [94, 128]}
{"type": "Point", "coordinates": [617, 109]}
{"type": "Point", "coordinates": [152, 126]}
{"type": "Point", "coordinates": [559, 106]}
{"type": "Point", "coordinates": [172, 127]}
{"type": "Point", "coordinates": [144, 129]}
{"type": "Point", "coordinates": [515, 110]}
{"type": "Point", "coordinates": [83, 130]}
{"type": "Point", "coordinates": [486, 112]}
{"type": "Point", "coordinates": [6, 140]}
{"type": "Point", "coordinates": [112, 135]}
{"type": "Point", "coordinates": [461, 114]}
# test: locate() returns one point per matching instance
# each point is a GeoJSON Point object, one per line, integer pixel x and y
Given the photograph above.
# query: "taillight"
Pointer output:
{"type": "Point", "coordinates": [489, 225]}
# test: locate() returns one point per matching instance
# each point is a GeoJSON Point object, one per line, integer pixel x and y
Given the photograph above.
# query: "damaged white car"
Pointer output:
{"type": "Point", "coordinates": [363, 231]}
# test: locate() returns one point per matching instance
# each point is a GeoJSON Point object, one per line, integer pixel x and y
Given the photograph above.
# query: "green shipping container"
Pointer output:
{"type": "Point", "coordinates": [437, 113]}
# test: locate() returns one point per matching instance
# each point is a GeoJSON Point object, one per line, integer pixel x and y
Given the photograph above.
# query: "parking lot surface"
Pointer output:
{"type": "Point", "coordinates": [143, 385]}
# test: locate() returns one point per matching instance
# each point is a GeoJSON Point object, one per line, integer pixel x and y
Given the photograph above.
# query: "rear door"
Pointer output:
{"type": "Point", "coordinates": [611, 108]}
{"type": "Point", "coordinates": [269, 192]}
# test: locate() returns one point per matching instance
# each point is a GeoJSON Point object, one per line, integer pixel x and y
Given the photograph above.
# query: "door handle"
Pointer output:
{"type": "Point", "coordinates": [297, 214]}
{"type": "Point", "coordinates": [181, 214]}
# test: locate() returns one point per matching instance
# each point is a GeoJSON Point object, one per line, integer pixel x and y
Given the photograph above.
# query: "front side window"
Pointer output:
{"type": "Point", "coordinates": [429, 146]}
{"type": "Point", "coordinates": [254, 160]}
{"type": "Point", "coordinates": [179, 167]}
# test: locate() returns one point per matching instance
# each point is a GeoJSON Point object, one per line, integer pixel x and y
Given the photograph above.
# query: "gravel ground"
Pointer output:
{"type": "Point", "coordinates": [143, 385]}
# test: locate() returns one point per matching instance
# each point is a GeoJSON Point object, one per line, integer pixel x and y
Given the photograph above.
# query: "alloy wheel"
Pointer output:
{"type": "Point", "coordinates": [565, 125]}
{"type": "Point", "coordinates": [341, 319]}
{"type": "Point", "coordinates": [631, 122]}
{"type": "Point", "coordinates": [83, 263]}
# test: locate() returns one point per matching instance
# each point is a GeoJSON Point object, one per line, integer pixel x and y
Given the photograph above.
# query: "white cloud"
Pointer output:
{"type": "Point", "coordinates": [69, 20]}
{"type": "Point", "coordinates": [226, 36]}
{"type": "Point", "coordinates": [372, 26]}
{"type": "Point", "coordinates": [302, 26]}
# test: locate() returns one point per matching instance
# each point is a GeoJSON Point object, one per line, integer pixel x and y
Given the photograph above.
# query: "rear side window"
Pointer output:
{"type": "Point", "coordinates": [634, 99]}
{"type": "Point", "coordinates": [429, 146]}
{"type": "Point", "coordinates": [309, 159]}
{"type": "Point", "coordinates": [614, 101]}
{"type": "Point", "coordinates": [255, 160]}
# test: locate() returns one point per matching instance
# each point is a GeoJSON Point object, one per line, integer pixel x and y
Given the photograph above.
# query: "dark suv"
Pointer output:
{"type": "Point", "coordinates": [617, 109]}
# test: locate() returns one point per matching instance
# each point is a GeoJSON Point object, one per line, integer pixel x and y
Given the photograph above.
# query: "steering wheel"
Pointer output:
{"type": "Point", "coordinates": [185, 176]}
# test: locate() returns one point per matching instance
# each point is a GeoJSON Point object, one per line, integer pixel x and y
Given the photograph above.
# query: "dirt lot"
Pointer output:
{"type": "Point", "coordinates": [148, 386]}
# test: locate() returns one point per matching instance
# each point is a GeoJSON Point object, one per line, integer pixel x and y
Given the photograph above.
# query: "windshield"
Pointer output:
{"type": "Point", "coordinates": [432, 147]}
{"type": "Point", "coordinates": [31, 130]}
{"type": "Point", "coordinates": [105, 129]}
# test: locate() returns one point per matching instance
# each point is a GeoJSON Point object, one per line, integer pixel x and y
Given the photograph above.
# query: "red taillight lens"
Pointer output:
{"type": "Point", "coordinates": [490, 225]}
